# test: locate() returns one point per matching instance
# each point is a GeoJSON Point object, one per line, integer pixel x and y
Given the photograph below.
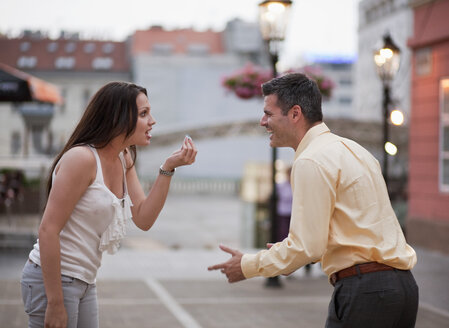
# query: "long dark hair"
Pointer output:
{"type": "Point", "coordinates": [111, 112]}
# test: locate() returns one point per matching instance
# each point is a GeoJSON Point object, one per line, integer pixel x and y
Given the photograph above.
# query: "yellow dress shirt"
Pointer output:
{"type": "Point", "coordinates": [341, 212]}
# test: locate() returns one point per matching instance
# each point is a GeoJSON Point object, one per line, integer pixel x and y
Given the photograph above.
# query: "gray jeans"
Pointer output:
{"type": "Point", "coordinates": [384, 299]}
{"type": "Point", "coordinates": [80, 299]}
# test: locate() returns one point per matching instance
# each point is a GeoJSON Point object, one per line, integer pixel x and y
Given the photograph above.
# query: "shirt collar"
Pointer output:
{"type": "Point", "coordinates": [311, 134]}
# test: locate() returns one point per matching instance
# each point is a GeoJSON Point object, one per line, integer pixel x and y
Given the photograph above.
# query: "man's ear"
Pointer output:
{"type": "Point", "coordinates": [296, 112]}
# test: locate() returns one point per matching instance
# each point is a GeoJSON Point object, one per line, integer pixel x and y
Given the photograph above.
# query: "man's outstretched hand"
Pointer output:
{"type": "Point", "coordinates": [231, 268]}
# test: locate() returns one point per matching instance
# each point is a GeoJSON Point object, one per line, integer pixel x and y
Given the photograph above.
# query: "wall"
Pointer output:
{"type": "Point", "coordinates": [428, 223]}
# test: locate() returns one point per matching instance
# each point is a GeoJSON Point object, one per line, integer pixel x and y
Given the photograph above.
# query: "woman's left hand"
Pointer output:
{"type": "Point", "coordinates": [184, 156]}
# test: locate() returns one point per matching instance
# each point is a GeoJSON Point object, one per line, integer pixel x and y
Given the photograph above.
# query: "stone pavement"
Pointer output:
{"type": "Point", "coordinates": [159, 279]}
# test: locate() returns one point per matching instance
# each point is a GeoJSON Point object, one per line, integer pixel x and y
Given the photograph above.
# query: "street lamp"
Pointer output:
{"type": "Point", "coordinates": [387, 61]}
{"type": "Point", "coordinates": [397, 117]}
{"type": "Point", "coordinates": [273, 19]}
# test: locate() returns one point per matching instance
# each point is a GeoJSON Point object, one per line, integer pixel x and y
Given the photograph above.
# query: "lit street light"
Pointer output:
{"type": "Point", "coordinates": [273, 20]}
{"type": "Point", "coordinates": [390, 148]}
{"type": "Point", "coordinates": [387, 61]}
{"type": "Point", "coordinates": [396, 117]}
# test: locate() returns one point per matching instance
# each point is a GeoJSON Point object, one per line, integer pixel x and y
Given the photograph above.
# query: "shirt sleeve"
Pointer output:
{"type": "Point", "coordinates": [313, 203]}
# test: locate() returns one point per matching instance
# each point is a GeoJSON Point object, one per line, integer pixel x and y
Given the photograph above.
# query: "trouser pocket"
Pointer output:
{"type": "Point", "coordinates": [26, 296]}
{"type": "Point", "coordinates": [34, 298]}
{"type": "Point", "coordinates": [340, 303]}
{"type": "Point", "coordinates": [33, 290]}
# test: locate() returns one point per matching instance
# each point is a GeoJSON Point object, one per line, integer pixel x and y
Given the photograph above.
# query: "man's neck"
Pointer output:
{"type": "Point", "coordinates": [302, 132]}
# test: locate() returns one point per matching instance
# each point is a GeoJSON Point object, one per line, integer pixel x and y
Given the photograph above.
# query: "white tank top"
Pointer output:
{"type": "Point", "coordinates": [97, 224]}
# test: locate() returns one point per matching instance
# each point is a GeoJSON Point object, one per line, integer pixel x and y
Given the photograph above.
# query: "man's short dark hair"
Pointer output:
{"type": "Point", "coordinates": [296, 89]}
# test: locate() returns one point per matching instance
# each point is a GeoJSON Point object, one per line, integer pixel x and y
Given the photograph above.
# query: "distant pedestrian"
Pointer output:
{"type": "Point", "coordinates": [284, 210]}
{"type": "Point", "coordinates": [284, 206]}
{"type": "Point", "coordinates": [93, 190]}
{"type": "Point", "coordinates": [341, 216]}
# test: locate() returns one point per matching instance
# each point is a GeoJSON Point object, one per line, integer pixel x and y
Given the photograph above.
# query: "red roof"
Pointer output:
{"type": "Point", "coordinates": [179, 40]}
{"type": "Point", "coordinates": [43, 54]}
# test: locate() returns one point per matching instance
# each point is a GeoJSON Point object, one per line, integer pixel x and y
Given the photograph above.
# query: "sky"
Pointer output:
{"type": "Point", "coordinates": [324, 27]}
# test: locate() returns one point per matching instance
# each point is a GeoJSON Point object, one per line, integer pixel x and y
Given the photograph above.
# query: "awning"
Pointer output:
{"type": "Point", "coordinates": [18, 86]}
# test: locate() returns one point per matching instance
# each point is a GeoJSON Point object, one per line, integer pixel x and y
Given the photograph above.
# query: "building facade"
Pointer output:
{"type": "Point", "coordinates": [78, 67]}
{"type": "Point", "coordinates": [341, 71]}
{"type": "Point", "coordinates": [376, 18]}
{"type": "Point", "coordinates": [428, 223]}
{"type": "Point", "coordinates": [182, 70]}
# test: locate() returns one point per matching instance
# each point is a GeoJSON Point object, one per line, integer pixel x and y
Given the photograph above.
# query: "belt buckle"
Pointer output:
{"type": "Point", "coordinates": [333, 279]}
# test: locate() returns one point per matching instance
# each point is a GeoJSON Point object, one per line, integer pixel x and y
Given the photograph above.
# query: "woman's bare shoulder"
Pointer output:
{"type": "Point", "coordinates": [75, 172]}
{"type": "Point", "coordinates": [79, 159]}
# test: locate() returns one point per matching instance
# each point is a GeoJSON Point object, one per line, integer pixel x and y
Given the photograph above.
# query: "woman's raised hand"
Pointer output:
{"type": "Point", "coordinates": [184, 156]}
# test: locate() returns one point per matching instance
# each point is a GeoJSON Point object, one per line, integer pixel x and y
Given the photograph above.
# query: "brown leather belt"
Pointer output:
{"type": "Point", "coordinates": [359, 269]}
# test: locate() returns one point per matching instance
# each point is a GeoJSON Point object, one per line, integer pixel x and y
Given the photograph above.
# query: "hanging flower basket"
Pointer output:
{"type": "Point", "coordinates": [325, 84]}
{"type": "Point", "coordinates": [246, 83]}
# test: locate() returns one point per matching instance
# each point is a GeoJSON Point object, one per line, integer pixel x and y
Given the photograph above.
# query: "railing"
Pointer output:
{"type": "Point", "coordinates": [219, 186]}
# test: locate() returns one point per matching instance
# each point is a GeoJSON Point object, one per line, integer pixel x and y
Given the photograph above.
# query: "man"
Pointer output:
{"type": "Point", "coordinates": [341, 216]}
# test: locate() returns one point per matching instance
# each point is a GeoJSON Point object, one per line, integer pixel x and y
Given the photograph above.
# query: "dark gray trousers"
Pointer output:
{"type": "Point", "coordinates": [384, 299]}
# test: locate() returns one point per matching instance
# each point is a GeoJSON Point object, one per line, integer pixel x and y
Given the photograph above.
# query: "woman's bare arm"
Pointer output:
{"type": "Point", "coordinates": [146, 209]}
{"type": "Point", "coordinates": [75, 172]}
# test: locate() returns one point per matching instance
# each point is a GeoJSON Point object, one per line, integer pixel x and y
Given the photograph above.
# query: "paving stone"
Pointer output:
{"type": "Point", "coordinates": [137, 316]}
{"type": "Point", "coordinates": [194, 224]}
{"type": "Point", "coordinates": [248, 288]}
{"type": "Point", "coordinates": [10, 290]}
{"type": "Point", "coordinates": [12, 315]}
{"type": "Point", "coordinates": [430, 319]}
{"type": "Point", "coordinates": [259, 315]}
{"type": "Point", "coordinates": [124, 289]}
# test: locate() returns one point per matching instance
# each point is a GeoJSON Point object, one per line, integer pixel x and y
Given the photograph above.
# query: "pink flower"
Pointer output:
{"type": "Point", "coordinates": [246, 82]}
{"type": "Point", "coordinates": [326, 84]}
{"type": "Point", "coordinates": [244, 93]}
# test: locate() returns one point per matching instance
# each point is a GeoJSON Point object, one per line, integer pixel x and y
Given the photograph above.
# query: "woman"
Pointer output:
{"type": "Point", "coordinates": [92, 191]}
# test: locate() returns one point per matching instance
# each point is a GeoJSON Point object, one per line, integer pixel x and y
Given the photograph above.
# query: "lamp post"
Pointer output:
{"type": "Point", "coordinates": [387, 61]}
{"type": "Point", "coordinates": [273, 19]}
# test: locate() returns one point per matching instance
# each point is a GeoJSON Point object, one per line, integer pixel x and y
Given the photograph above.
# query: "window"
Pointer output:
{"type": "Point", "coordinates": [63, 107]}
{"type": "Point", "coordinates": [444, 135]}
{"type": "Point", "coordinates": [345, 81]}
{"type": "Point", "coordinates": [345, 100]}
{"type": "Point", "coordinates": [37, 142]}
{"type": "Point", "coordinates": [104, 63]}
{"type": "Point", "coordinates": [162, 49]}
{"type": "Point", "coordinates": [198, 49]}
{"type": "Point", "coordinates": [25, 46]}
{"type": "Point", "coordinates": [65, 62]}
{"type": "Point", "coordinates": [89, 48]}
{"type": "Point", "coordinates": [108, 48]}
{"type": "Point", "coordinates": [16, 142]}
{"type": "Point", "coordinates": [26, 62]}
{"type": "Point", "coordinates": [52, 47]}
{"type": "Point", "coordinates": [423, 61]}
{"type": "Point", "coordinates": [70, 47]}
{"type": "Point", "coordinates": [86, 97]}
